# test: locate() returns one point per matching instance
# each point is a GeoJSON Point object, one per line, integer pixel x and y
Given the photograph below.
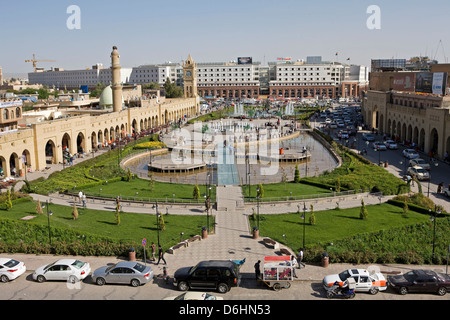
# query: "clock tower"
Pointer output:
{"type": "Point", "coordinates": [190, 78]}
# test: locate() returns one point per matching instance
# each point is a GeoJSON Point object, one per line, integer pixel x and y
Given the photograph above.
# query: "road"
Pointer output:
{"type": "Point", "coordinates": [24, 288]}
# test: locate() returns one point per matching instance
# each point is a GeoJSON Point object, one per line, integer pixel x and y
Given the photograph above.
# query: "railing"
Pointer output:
{"type": "Point", "coordinates": [304, 197]}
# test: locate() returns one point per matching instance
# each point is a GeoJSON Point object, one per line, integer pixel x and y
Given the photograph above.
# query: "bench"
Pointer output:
{"type": "Point", "coordinates": [272, 243]}
{"type": "Point", "coordinates": [182, 244]}
{"type": "Point", "coordinates": [194, 238]}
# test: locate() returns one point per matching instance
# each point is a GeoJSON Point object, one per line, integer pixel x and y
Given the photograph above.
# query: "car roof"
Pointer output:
{"type": "Point", "coordinates": [65, 261]}
{"type": "Point", "coordinates": [4, 260]}
{"type": "Point", "coordinates": [126, 264]}
{"type": "Point", "coordinates": [216, 263]}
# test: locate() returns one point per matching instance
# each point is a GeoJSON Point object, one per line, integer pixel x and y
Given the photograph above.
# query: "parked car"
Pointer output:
{"type": "Point", "coordinates": [446, 191]}
{"type": "Point", "coordinates": [11, 269]}
{"type": "Point", "coordinates": [213, 274]}
{"type": "Point", "coordinates": [419, 172]}
{"type": "Point", "coordinates": [379, 146]}
{"type": "Point", "coordinates": [327, 120]}
{"type": "Point", "coordinates": [64, 269]}
{"type": "Point", "coordinates": [420, 281]}
{"type": "Point", "coordinates": [125, 272]}
{"type": "Point", "coordinates": [368, 137]}
{"type": "Point", "coordinates": [365, 281]}
{"type": "Point", "coordinates": [391, 144]}
{"type": "Point", "coordinates": [410, 154]}
{"type": "Point", "coordinates": [194, 296]}
{"type": "Point", "coordinates": [420, 163]}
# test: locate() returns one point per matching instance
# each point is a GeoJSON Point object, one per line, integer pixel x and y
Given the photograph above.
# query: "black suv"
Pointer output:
{"type": "Point", "coordinates": [218, 275]}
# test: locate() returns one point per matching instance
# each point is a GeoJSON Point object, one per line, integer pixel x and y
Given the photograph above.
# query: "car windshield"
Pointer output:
{"type": "Point", "coordinates": [410, 276]}
{"type": "Point", "coordinates": [110, 267]}
{"type": "Point", "coordinates": [421, 170]}
{"type": "Point", "coordinates": [11, 263]}
{"type": "Point", "coordinates": [49, 265]}
{"type": "Point", "coordinates": [139, 267]}
{"type": "Point", "coordinates": [78, 264]}
{"type": "Point", "coordinates": [420, 161]}
{"type": "Point", "coordinates": [344, 275]}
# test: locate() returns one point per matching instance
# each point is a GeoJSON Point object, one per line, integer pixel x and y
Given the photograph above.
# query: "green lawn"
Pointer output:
{"type": "Point", "coordinates": [333, 225]}
{"type": "Point", "coordinates": [140, 189]}
{"type": "Point", "coordinates": [283, 190]}
{"type": "Point", "coordinates": [133, 226]}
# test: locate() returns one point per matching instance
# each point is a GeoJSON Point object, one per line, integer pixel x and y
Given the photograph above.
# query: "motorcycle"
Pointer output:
{"type": "Point", "coordinates": [347, 291]}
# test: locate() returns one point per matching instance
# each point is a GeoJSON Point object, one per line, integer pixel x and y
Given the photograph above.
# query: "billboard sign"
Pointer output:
{"type": "Point", "coordinates": [245, 60]}
{"type": "Point", "coordinates": [424, 82]}
{"type": "Point", "coordinates": [439, 83]}
{"type": "Point", "coordinates": [404, 82]}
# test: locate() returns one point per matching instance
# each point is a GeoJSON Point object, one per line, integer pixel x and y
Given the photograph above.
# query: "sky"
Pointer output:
{"type": "Point", "coordinates": [152, 32]}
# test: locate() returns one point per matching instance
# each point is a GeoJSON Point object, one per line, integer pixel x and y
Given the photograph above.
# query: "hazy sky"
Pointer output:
{"type": "Point", "coordinates": [148, 32]}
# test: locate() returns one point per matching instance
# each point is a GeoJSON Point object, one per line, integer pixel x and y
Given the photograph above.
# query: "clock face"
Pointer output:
{"type": "Point", "coordinates": [188, 73]}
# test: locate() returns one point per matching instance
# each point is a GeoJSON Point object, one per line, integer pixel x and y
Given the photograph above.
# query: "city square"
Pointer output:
{"type": "Point", "coordinates": [309, 161]}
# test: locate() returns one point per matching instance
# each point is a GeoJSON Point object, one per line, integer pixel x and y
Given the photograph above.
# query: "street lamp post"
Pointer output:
{"type": "Point", "coordinates": [257, 203]}
{"type": "Point", "coordinates": [304, 224]}
{"type": "Point", "coordinates": [157, 214]}
{"type": "Point", "coordinates": [49, 213]}
{"type": "Point", "coordinates": [437, 211]}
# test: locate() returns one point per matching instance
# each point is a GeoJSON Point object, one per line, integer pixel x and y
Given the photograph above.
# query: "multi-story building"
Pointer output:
{"type": "Point", "coordinates": [229, 80]}
{"type": "Point", "coordinates": [10, 115]}
{"type": "Point", "coordinates": [74, 79]}
{"type": "Point", "coordinates": [316, 79]}
{"type": "Point", "coordinates": [412, 107]}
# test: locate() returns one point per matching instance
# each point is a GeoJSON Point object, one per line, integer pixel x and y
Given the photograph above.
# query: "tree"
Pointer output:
{"type": "Point", "coordinates": [297, 174]}
{"type": "Point", "coordinates": [161, 223]}
{"type": "Point", "coordinates": [260, 191]}
{"type": "Point", "coordinates": [8, 202]}
{"type": "Point", "coordinates": [405, 208]}
{"type": "Point", "coordinates": [38, 207]}
{"type": "Point", "coordinates": [196, 192]}
{"type": "Point", "coordinates": [363, 212]}
{"type": "Point", "coordinates": [151, 182]}
{"type": "Point", "coordinates": [117, 214]}
{"type": "Point", "coordinates": [129, 175]}
{"type": "Point", "coordinates": [43, 94]}
{"type": "Point", "coordinates": [75, 211]}
{"type": "Point", "coordinates": [312, 217]}
{"type": "Point", "coordinates": [171, 90]}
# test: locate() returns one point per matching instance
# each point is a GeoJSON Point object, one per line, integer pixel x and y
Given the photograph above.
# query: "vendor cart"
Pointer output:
{"type": "Point", "coordinates": [277, 272]}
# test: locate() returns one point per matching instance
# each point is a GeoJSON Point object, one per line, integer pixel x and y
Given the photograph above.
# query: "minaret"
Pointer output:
{"type": "Point", "coordinates": [1, 76]}
{"type": "Point", "coordinates": [116, 81]}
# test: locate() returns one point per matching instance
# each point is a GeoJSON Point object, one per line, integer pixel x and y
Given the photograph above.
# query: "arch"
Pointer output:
{"type": "Point", "coordinates": [93, 140]}
{"type": "Point", "coordinates": [380, 123]}
{"type": "Point", "coordinates": [81, 143]}
{"type": "Point", "coordinates": [50, 152]}
{"type": "Point", "coordinates": [112, 134]}
{"type": "Point", "coordinates": [99, 137]}
{"type": "Point", "coordinates": [415, 137]}
{"type": "Point", "coordinates": [65, 142]}
{"type": "Point", "coordinates": [117, 133]}
{"type": "Point", "coordinates": [26, 159]}
{"type": "Point", "coordinates": [106, 134]}
{"type": "Point", "coordinates": [14, 165]}
{"type": "Point", "coordinates": [389, 128]}
{"type": "Point", "coordinates": [422, 139]}
{"type": "Point", "coordinates": [434, 141]}
{"type": "Point", "coordinates": [3, 167]}
{"type": "Point", "coordinates": [403, 135]}
{"type": "Point", "coordinates": [409, 134]}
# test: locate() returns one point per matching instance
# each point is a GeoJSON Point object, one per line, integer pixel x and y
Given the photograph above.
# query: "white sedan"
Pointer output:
{"type": "Point", "coordinates": [411, 154]}
{"type": "Point", "coordinates": [419, 162]}
{"type": "Point", "coordinates": [71, 270]}
{"type": "Point", "coordinates": [419, 172]}
{"type": "Point", "coordinates": [11, 269]}
{"type": "Point", "coordinates": [365, 281]}
{"type": "Point", "coordinates": [194, 296]}
{"type": "Point", "coordinates": [391, 144]}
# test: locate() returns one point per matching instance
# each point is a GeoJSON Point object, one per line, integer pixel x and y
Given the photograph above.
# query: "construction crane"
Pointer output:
{"type": "Point", "coordinates": [34, 61]}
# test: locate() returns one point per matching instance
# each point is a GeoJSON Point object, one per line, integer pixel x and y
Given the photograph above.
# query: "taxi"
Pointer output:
{"type": "Point", "coordinates": [366, 281]}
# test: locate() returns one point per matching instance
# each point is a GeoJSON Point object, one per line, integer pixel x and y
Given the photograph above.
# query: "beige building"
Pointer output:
{"type": "Point", "coordinates": [81, 131]}
{"type": "Point", "coordinates": [394, 106]}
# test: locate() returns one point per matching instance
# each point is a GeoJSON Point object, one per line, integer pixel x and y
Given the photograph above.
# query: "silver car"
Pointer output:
{"type": "Point", "coordinates": [64, 269]}
{"type": "Point", "coordinates": [128, 272]}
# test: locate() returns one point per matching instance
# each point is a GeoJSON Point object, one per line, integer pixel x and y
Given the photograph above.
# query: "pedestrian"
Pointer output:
{"type": "Point", "coordinates": [153, 251]}
{"type": "Point", "coordinates": [258, 270]}
{"type": "Point", "coordinates": [294, 265]}
{"type": "Point", "coordinates": [161, 255]}
{"type": "Point", "coordinates": [300, 259]}
{"type": "Point", "coordinates": [80, 196]}
{"type": "Point", "coordinates": [84, 200]}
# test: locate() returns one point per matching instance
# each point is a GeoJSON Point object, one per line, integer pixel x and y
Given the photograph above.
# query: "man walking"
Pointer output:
{"type": "Point", "coordinates": [257, 270]}
{"type": "Point", "coordinates": [300, 258]}
{"type": "Point", "coordinates": [161, 255]}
